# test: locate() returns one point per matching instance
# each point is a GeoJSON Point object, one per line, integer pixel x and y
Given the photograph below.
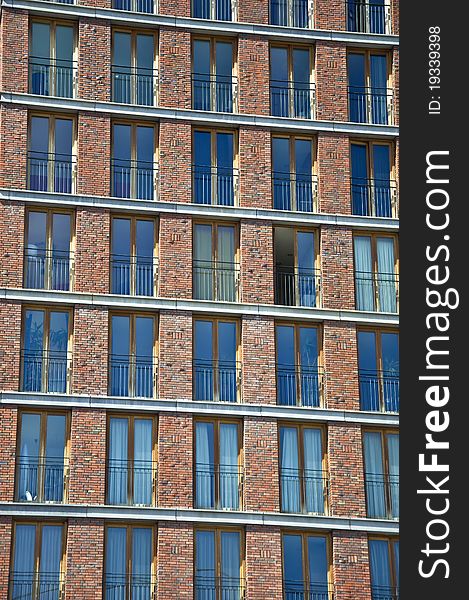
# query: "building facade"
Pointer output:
{"type": "Point", "coordinates": [199, 300]}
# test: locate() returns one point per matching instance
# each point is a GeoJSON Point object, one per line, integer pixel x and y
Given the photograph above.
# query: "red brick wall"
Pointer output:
{"type": "Point", "coordinates": [96, 3]}
{"type": "Point", "coordinates": [14, 50]}
{"type": "Point", "coordinates": [258, 357]}
{"type": "Point", "coordinates": [253, 11]}
{"type": "Point", "coordinates": [331, 75]}
{"type": "Point", "coordinates": [351, 567]}
{"type": "Point", "coordinates": [395, 16]}
{"type": "Point", "coordinates": [263, 563]}
{"type": "Point", "coordinates": [175, 355]}
{"type": "Point", "coordinates": [7, 453]}
{"type": "Point", "coordinates": [257, 262]}
{"type": "Point", "coordinates": [175, 257]}
{"type": "Point", "coordinates": [175, 161]}
{"type": "Point", "coordinates": [395, 80]}
{"type": "Point", "coordinates": [6, 530]}
{"type": "Point", "coordinates": [177, 8]}
{"type": "Point", "coordinates": [94, 59]}
{"type": "Point", "coordinates": [85, 552]}
{"type": "Point", "coordinates": [90, 351]}
{"type": "Point", "coordinates": [330, 14]}
{"type": "Point", "coordinates": [94, 154]}
{"type": "Point", "coordinates": [253, 75]}
{"type": "Point", "coordinates": [175, 68]}
{"type": "Point", "coordinates": [14, 146]}
{"type": "Point", "coordinates": [11, 244]}
{"type": "Point", "coordinates": [337, 270]}
{"type": "Point", "coordinates": [92, 251]}
{"type": "Point", "coordinates": [255, 185]}
{"type": "Point", "coordinates": [334, 174]}
{"type": "Point", "coordinates": [175, 561]}
{"type": "Point", "coordinates": [10, 336]}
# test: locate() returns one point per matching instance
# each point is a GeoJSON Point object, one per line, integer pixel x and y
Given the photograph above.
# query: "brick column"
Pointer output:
{"type": "Point", "coordinates": [330, 14]}
{"type": "Point", "coordinates": [351, 565]}
{"type": "Point", "coordinates": [85, 564]}
{"type": "Point", "coordinates": [253, 11]}
{"type": "Point", "coordinates": [174, 68]}
{"type": "Point", "coordinates": [253, 75]}
{"type": "Point", "coordinates": [90, 351]}
{"type": "Point", "coordinates": [6, 531]}
{"type": "Point", "coordinates": [264, 563]}
{"type": "Point", "coordinates": [341, 365]}
{"type": "Point", "coordinates": [175, 256]}
{"type": "Point", "coordinates": [337, 272]}
{"type": "Point", "coordinates": [92, 251]}
{"type": "Point", "coordinates": [257, 269]}
{"type": "Point", "coordinates": [94, 63]}
{"type": "Point", "coordinates": [258, 356]}
{"type": "Point", "coordinates": [255, 184]}
{"type": "Point", "coordinates": [334, 174]}
{"type": "Point", "coordinates": [94, 155]}
{"type": "Point", "coordinates": [8, 433]}
{"type": "Point", "coordinates": [14, 50]}
{"type": "Point", "coordinates": [395, 17]}
{"type": "Point", "coordinates": [176, 8]}
{"type": "Point", "coordinates": [331, 81]}
{"type": "Point", "coordinates": [175, 355]}
{"type": "Point", "coordinates": [175, 561]}
{"type": "Point", "coordinates": [395, 84]}
{"type": "Point", "coordinates": [96, 3]}
{"type": "Point", "coordinates": [175, 161]}
{"type": "Point", "coordinates": [11, 244]}
{"type": "Point", "coordinates": [10, 339]}
{"type": "Point", "coordinates": [14, 146]}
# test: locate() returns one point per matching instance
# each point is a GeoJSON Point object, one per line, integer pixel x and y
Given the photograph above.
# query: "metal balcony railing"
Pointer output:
{"type": "Point", "coordinates": [377, 291]}
{"type": "Point", "coordinates": [129, 587]}
{"type": "Point", "coordinates": [291, 13]}
{"type": "Point", "coordinates": [131, 482]}
{"type": "Point", "coordinates": [371, 105]}
{"type": "Point", "coordinates": [216, 93]}
{"type": "Point", "coordinates": [297, 287]}
{"type": "Point", "coordinates": [41, 479]}
{"type": "Point", "coordinates": [49, 77]}
{"type": "Point", "coordinates": [45, 370]}
{"type": "Point", "coordinates": [294, 589]}
{"type": "Point", "coordinates": [215, 185]}
{"type": "Point", "coordinates": [134, 85]}
{"type": "Point", "coordinates": [216, 280]}
{"type": "Point", "coordinates": [219, 588]}
{"type": "Point", "coordinates": [134, 179]}
{"type": "Point", "coordinates": [374, 197]}
{"type": "Point", "coordinates": [132, 376]}
{"type": "Point", "coordinates": [295, 191]}
{"type": "Point", "coordinates": [382, 496]}
{"type": "Point", "coordinates": [217, 381]}
{"type": "Point", "coordinates": [379, 390]}
{"type": "Point", "coordinates": [218, 486]}
{"type": "Point", "coordinates": [134, 275]}
{"type": "Point", "coordinates": [36, 586]}
{"type": "Point", "coordinates": [47, 269]}
{"type": "Point", "coordinates": [299, 385]}
{"type": "Point", "coordinates": [381, 592]}
{"type": "Point", "coordinates": [368, 17]}
{"type": "Point", "coordinates": [292, 99]}
{"type": "Point", "coordinates": [141, 6]}
{"type": "Point", "coordinates": [304, 491]}
{"type": "Point", "coordinates": [216, 10]}
{"type": "Point", "coordinates": [51, 172]}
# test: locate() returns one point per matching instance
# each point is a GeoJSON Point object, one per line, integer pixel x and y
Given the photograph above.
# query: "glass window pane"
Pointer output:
{"type": "Point", "coordinates": [145, 144]}
{"type": "Point", "coordinates": [367, 351]}
{"type": "Point", "coordinates": [279, 64]}
{"type": "Point", "coordinates": [201, 57]}
{"type": "Point", "coordinates": [378, 72]}
{"type": "Point", "coordinates": [203, 339]}
{"type": "Point", "coordinates": [55, 438]}
{"type": "Point", "coordinates": [303, 157]}
{"type": "Point", "coordinates": [145, 51]}
{"type": "Point", "coordinates": [144, 337]}
{"type": "Point", "coordinates": [34, 330]}
{"type": "Point", "coordinates": [116, 560]}
{"type": "Point", "coordinates": [121, 238]}
{"type": "Point", "coordinates": [203, 243]}
{"type": "Point", "coordinates": [224, 59]}
{"type": "Point", "coordinates": [381, 163]}
{"type": "Point", "coordinates": [64, 43]}
{"type": "Point", "coordinates": [202, 148]}
{"type": "Point", "coordinates": [285, 345]}
{"type": "Point", "coordinates": [118, 469]}
{"type": "Point", "coordinates": [281, 155]}
{"type": "Point", "coordinates": [359, 162]}
{"type": "Point", "coordinates": [120, 335]}
{"type": "Point", "coordinates": [390, 352]}
{"type": "Point", "coordinates": [317, 563]}
{"type": "Point", "coordinates": [121, 142]}
{"type": "Point", "coordinates": [225, 150]}
{"type": "Point", "coordinates": [226, 342]}
{"type": "Point", "coordinates": [30, 435]}
{"type": "Point", "coordinates": [356, 70]}
{"type": "Point", "coordinates": [141, 561]}
{"type": "Point", "coordinates": [58, 331]}
{"type": "Point", "coordinates": [40, 43]}
{"type": "Point", "coordinates": [121, 51]}
{"type": "Point", "coordinates": [301, 66]}
{"type": "Point", "coordinates": [380, 568]}
{"type": "Point", "coordinates": [230, 563]}
{"type": "Point", "coordinates": [63, 136]}
{"type": "Point", "coordinates": [145, 238]}
{"type": "Point", "coordinates": [308, 346]}
{"type": "Point", "coordinates": [25, 542]}
{"type": "Point", "coordinates": [293, 564]}
{"type": "Point", "coordinates": [51, 555]}
{"type": "Point", "coordinates": [39, 135]}
{"type": "Point", "coordinates": [305, 245]}
{"type": "Point", "coordinates": [205, 564]}
{"type": "Point", "coordinates": [60, 232]}
{"type": "Point", "coordinates": [37, 230]}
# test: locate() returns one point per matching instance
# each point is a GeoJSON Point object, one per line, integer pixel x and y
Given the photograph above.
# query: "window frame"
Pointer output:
{"type": "Point", "coordinates": [391, 540]}
{"type": "Point", "coordinates": [213, 10]}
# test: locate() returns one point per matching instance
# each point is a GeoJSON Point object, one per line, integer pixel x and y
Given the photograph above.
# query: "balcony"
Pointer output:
{"type": "Point", "coordinates": [45, 371]}
{"type": "Point", "coordinates": [218, 486]}
{"type": "Point", "coordinates": [131, 483]}
{"type": "Point", "coordinates": [141, 6]}
{"type": "Point", "coordinates": [224, 587]}
{"type": "Point", "coordinates": [382, 496]}
{"type": "Point", "coordinates": [216, 280]}
{"type": "Point", "coordinates": [371, 105]}
{"type": "Point", "coordinates": [217, 93]}
{"type": "Point", "coordinates": [215, 185]}
{"type": "Point", "coordinates": [304, 491]}
{"type": "Point", "coordinates": [291, 13]}
{"type": "Point", "coordinates": [47, 269]}
{"type": "Point", "coordinates": [216, 10]}
{"type": "Point", "coordinates": [381, 592]}
{"type": "Point", "coordinates": [35, 586]}
{"type": "Point", "coordinates": [299, 385]}
{"type": "Point", "coordinates": [217, 381]}
{"type": "Point", "coordinates": [132, 376]}
{"type": "Point", "coordinates": [307, 590]}
{"type": "Point", "coordinates": [297, 287]}
{"type": "Point", "coordinates": [134, 85]}
{"type": "Point", "coordinates": [49, 172]}
{"type": "Point", "coordinates": [49, 77]}
{"type": "Point", "coordinates": [295, 191]}
{"type": "Point", "coordinates": [374, 197]}
{"type": "Point", "coordinates": [377, 292]}
{"type": "Point", "coordinates": [41, 479]}
{"type": "Point", "coordinates": [134, 275]}
{"type": "Point", "coordinates": [125, 586]}
{"type": "Point", "coordinates": [134, 179]}
{"type": "Point", "coordinates": [379, 391]}
{"type": "Point", "coordinates": [368, 17]}
{"type": "Point", "coordinates": [292, 99]}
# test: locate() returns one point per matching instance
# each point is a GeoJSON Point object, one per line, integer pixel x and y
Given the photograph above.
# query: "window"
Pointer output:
{"type": "Point", "coordinates": [42, 462]}
{"type": "Point", "coordinates": [376, 272]}
{"type": "Point", "coordinates": [133, 68]}
{"type": "Point", "coordinates": [38, 561]}
{"type": "Point", "coordinates": [48, 255]}
{"type": "Point", "coordinates": [369, 17]}
{"type": "Point", "coordinates": [215, 178]}
{"type": "Point", "coordinates": [133, 167]}
{"type": "Point", "coordinates": [378, 368]}
{"type": "Point", "coordinates": [297, 272]}
{"type": "Point", "coordinates": [291, 85]}
{"type": "Point", "coordinates": [52, 68]}
{"type": "Point", "coordinates": [291, 13]}
{"type": "Point", "coordinates": [131, 467]}
{"type": "Point", "coordinates": [217, 372]}
{"type": "Point", "coordinates": [51, 160]}
{"type": "Point", "coordinates": [305, 566]}
{"type": "Point", "coordinates": [216, 10]}
{"type": "Point", "coordinates": [381, 449]}
{"type": "Point", "coordinates": [218, 476]}
{"type": "Point", "coordinates": [218, 564]}
{"type": "Point", "coordinates": [133, 352]}
{"type": "Point", "coordinates": [133, 256]}
{"type": "Point", "coordinates": [384, 567]}
{"type": "Point", "coordinates": [215, 262]}
{"type": "Point", "coordinates": [370, 94]}
{"type": "Point", "coordinates": [294, 181]}
{"type": "Point", "coordinates": [299, 377]}
{"type": "Point", "coordinates": [214, 86]}
{"type": "Point", "coordinates": [46, 361]}
{"type": "Point", "coordinates": [129, 564]}
{"type": "Point", "coordinates": [374, 192]}
{"type": "Point", "coordinates": [303, 477]}
{"type": "Point", "coordinates": [142, 6]}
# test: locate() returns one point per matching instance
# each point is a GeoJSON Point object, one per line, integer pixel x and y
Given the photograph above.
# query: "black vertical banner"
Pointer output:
{"type": "Point", "coordinates": [434, 244]}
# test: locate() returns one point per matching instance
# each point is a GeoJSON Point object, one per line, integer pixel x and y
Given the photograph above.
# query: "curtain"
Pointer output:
{"type": "Point", "coordinates": [116, 563]}
{"type": "Point", "coordinates": [118, 461]}
{"type": "Point", "coordinates": [363, 273]}
{"type": "Point", "coordinates": [141, 563]}
{"type": "Point", "coordinates": [382, 182]}
{"type": "Point", "coordinates": [143, 466]}
{"type": "Point", "coordinates": [393, 460]}
{"type": "Point", "coordinates": [386, 275]}
{"type": "Point", "coordinates": [230, 565]}
{"type": "Point", "coordinates": [379, 566]}
{"type": "Point", "coordinates": [289, 470]}
{"type": "Point", "coordinates": [25, 537]}
{"type": "Point", "coordinates": [225, 266]}
{"type": "Point", "coordinates": [203, 283]}
{"type": "Point", "coordinates": [51, 554]}
{"type": "Point", "coordinates": [378, 76]}
{"type": "Point", "coordinates": [313, 475]}
{"type": "Point", "coordinates": [396, 560]}
{"type": "Point", "coordinates": [229, 476]}
{"type": "Point", "coordinates": [205, 467]}
{"type": "Point", "coordinates": [374, 477]}
{"type": "Point", "coordinates": [205, 565]}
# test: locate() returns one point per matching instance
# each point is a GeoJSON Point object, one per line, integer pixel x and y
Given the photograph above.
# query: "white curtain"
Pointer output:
{"type": "Point", "coordinates": [225, 266]}
{"type": "Point", "coordinates": [230, 565]}
{"type": "Point", "coordinates": [141, 563]}
{"type": "Point", "coordinates": [116, 563]}
{"type": "Point", "coordinates": [203, 273]}
{"type": "Point", "coordinates": [374, 475]}
{"type": "Point", "coordinates": [363, 273]}
{"type": "Point", "coordinates": [118, 461]}
{"type": "Point", "coordinates": [229, 478]}
{"type": "Point", "coordinates": [143, 468]}
{"type": "Point", "coordinates": [314, 485]}
{"type": "Point", "coordinates": [205, 467]}
{"type": "Point", "coordinates": [205, 565]}
{"type": "Point", "coordinates": [51, 554]}
{"type": "Point", "coordinates": [289, 470]}
{"type": "Point", "coordinates": [379, 566]}
{"type": "Point", "coordinates": [25, 538]}
{"type": "Point", "coordinates": [386, 275]}
{"type": "Point", "coordinates": [393, 459]}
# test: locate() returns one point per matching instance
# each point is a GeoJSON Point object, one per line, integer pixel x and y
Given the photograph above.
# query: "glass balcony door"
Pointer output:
{"type": "Point", "coordinates": [384, 568]}
{"type": "Point", "coordinates": [214, 174]}
{"type": "Point", "coordinates": [142, 6]}
{"type": "Point", "coordinates": [291, 13]}
{"type": "Point", "coordinates": [373, 192]}
{"type": "Point", "coordinates": [133, 69]}
{"type": "Point", "coordinates": [217, 10]}
{"type": "Point", "coordinates": [293, 181]}
{"type": "Point", "coordinates": [212, 75]}
{"type": "Point", "coordinates": [369, 94]}
{"type": "Point", "coordinates": [291, 88]}
{"type": "Point", "coordinates": [368, 17]}
{"type": "Point", "coordinates": [382, 474]}
{"type": "Point", "coordinates": [133, 166]}
{"type": "Point", "coordinates": [305, 567]}
{"type": "Point", "coordinates": [218, 565]}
